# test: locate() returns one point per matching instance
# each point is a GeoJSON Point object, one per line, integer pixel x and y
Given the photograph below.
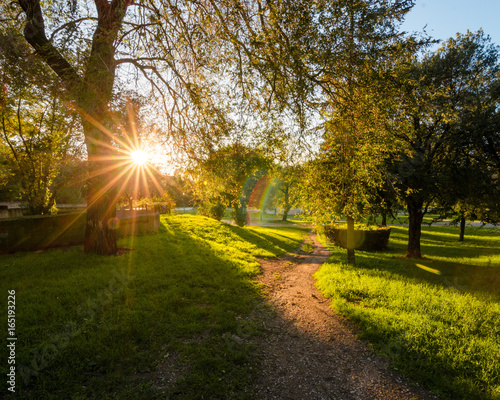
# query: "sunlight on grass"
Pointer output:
{"type": "Point", "coordinates": [106, 327]}
{"type": "Point", "coordinates": [431, 270]}
{"type": "Point", "coordinates": [438, 319]}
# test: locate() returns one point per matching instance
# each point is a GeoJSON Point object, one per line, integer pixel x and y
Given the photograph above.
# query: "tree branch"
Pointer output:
{"type": "Point", "coordinates": [34, 32]}
{"type": "Point", "coordinates": [14, 152]}
{"type": "Point", "coordinates": [69, 24]}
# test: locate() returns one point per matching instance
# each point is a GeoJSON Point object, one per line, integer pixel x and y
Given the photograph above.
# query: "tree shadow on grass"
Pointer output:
{"type": "Point", "coordinates": [446, 262]}
{"type": "Point", "coordinates": [475, 279]}
{"type": "Point", "coordinates": [446, 338]}
{"type": "Point", "coordinates": [273, 242]}
{"type": "Point", "coordinates": [184, 299]}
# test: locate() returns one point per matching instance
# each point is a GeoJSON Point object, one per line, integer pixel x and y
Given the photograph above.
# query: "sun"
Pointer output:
{"type": "Point", "coordinates": [139, 157]}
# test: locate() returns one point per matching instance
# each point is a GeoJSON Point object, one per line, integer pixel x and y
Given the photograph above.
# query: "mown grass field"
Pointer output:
{"type": "Point", "coordinates": [436, 319]}
{"type": "Point", "coordinates": [176, 306]}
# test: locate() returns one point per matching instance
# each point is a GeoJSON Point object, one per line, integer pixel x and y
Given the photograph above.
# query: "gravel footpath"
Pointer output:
{"type": "Point", "coordinates": [309, 352]}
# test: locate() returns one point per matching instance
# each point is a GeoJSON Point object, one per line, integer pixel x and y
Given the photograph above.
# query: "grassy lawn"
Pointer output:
{"type": "Point", "coordinates": [437, 319]}
{"type": "Point", "coordinates": [176, 306]}
{"type": "Point", "coordinates": [402, 218]}
{"type": "Point", "coordinates": [253, 216]}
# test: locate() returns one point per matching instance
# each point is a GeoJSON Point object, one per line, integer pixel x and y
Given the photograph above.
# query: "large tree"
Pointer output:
{"type": "Point", "coordinates": [325, 57]}
{"type": "Point", "coordinates": [92, 92]}
{"type": "Point", "coordinates": [441, 98]}
{"type": "Point", "coordinates": [86, 43]}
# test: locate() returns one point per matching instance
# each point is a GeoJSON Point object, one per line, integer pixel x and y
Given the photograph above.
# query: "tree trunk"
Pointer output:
{"type": "Point", "coordinates": [350, 241]}
{"type": "Point", "coordinates": [100, 228]}
{"type": "Point", "coordinates": [462, 228]}
{"type": "Point", "coordinates": [415, 228]}
{"type": "Point", "coordinates": [285, 213]}
{"type": "Point", "coordinates": [100, 232]}
{"type": "Point", "coordinates": [384, 218]}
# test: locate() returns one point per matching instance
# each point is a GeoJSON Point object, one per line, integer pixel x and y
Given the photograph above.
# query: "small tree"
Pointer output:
{"type": "Point", "coordinates": [221, 178]}
{"type": "Point", "coordinates": [286, 188]}
{"type": "Point", "coordinates": [39, 137]}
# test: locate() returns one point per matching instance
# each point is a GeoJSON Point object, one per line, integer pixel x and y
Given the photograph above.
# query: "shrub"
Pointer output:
{"type": "Point", "coordinates": [365, 238]}
{"type": "Point", "coordinates": [212, 210]}
{"type": "Point", "coordinates": [240, 216]}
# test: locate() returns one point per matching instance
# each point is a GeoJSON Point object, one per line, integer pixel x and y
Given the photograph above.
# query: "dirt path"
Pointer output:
{"type": "Point", "coordinates": [311, 353]}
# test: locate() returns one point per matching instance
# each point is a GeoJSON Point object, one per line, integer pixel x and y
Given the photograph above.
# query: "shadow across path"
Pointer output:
{"type": "Point", "coordinates": [307, 351]}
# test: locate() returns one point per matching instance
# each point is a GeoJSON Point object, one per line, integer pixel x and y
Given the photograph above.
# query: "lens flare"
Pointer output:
{"type": "Point", "coordinates": [139, 157]}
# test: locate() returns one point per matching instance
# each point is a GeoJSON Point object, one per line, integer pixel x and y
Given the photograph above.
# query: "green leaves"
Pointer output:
{"type": "Point", "coordinates": [227, 176]}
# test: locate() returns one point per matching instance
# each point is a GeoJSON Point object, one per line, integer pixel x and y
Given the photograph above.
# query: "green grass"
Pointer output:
{"type": "Point", "coordinates": [437, 319]}
{"type": "Point", "coordinates": [254, 216]}
{"type": "Point", "coordinates": [177, 305]}
{"type": "Point", "coordinates": [400, 218]}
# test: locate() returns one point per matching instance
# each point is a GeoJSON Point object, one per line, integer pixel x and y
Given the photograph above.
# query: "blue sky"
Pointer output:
{"type": "Point", "coordinates": [444, 18]}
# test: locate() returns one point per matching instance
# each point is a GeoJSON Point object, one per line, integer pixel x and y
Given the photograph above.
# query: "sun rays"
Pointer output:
{"type": "Point", "coordinates": [124, 160]}
{"type": "Point", "coordinates": [139, 157]}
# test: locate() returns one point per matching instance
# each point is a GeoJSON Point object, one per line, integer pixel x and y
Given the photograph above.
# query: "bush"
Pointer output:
{"type": "Point", "coordinates": [365, 238]}
{"type": "Point", "coordinates": [212, 210]}
{"type": "Point", "coordinates": [240, 216]}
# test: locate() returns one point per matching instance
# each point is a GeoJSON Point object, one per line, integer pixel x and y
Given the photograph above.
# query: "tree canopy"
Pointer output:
{"type": "Point", "coordinates": [441, 100]}
{"type": "Point", "coordinates": [219, 81]}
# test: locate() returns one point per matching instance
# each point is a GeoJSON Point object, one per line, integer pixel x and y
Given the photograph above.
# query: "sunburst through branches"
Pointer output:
{"type": "Point", "coordinates": [129, 160]}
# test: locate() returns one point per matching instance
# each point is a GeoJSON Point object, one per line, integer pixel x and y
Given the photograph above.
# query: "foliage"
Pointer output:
{"type": "Point", "coordinates": [436, 319]}
{"type": "Point", "coordinates": [39, 134]}
{"type": "Point", "coordinates": [285, 188]}
{"type": "Point", "coordinates": [161, 202]}
{"type": "Point", "coordinates": [226, 176]}
{"type": "Point", "coordinates": [330, 190]}
{"type": "Point", "coordinates": [472, 192]}
{"type": "Point", "coordinates": [212, 210]}
{"type": "Point", "coordinates": [178, 188]}
{"type": "Point", "coordinates": [9, 185]}
{"type": "Point", "coordinates": [240, 216]}
{"type": "Point", "coordinates": [365, 238]}
{"type": "Point", "coordinates": [440, 99]}
{"type": "Point", "coordinates": [164, 203]}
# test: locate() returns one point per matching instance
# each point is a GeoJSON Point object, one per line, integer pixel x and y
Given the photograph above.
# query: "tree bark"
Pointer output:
{"type": "Point", "coordinates": [92, 94]}
{"type": "Point", "coordinates": [100, 228]}
{"type": "Point", "coordinates": [285, 213]}
{"type": "Point", "coordinates": [384, 218]}
{"type": "Point", "coordinates": [462, 228]}
{"type": "Point", "coordinates": [416, 216]}
{"type": "Point", "coordinates": [287, 207]}
{"type": "Point", "coordinates": [350, 241]}
{"type": "Point", "coordinates": [100, 232]}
